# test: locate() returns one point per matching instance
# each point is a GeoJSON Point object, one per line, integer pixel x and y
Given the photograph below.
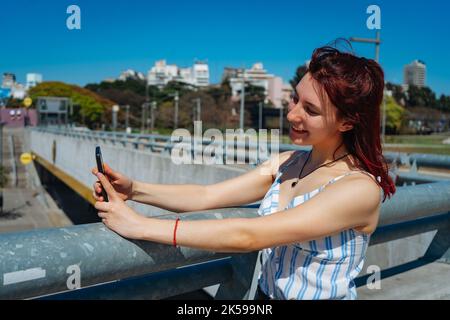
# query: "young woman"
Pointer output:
{"type": "Point", "coordinates": [318, 207]}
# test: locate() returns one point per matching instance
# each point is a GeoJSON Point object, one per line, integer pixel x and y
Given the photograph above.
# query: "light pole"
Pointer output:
{"type": "Point", "coordinates": [127, 108]}
{"type": "Point", "coordinates": [175, 120]}
{"type": "Point", "coordinates": [115, 110]}
{"type": "Point", "coordinates": [152, 115]}
{"type": "Point", "coordinates": [260, 115]}
{"type": "Point", "coordinates": [241, 112]}
{"type": "Point", "coordinates": [377, 42]}
{"type": "Point", "coordinates": [176, 98]}
{"type": "Point", "coordinates": [199, 109]}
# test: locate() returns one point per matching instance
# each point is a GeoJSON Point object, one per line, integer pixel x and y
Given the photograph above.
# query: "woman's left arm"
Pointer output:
{"type": "Point", "coordinates": [348, 203]}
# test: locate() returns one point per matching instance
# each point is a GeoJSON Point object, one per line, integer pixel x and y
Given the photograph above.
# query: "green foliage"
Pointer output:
{"type": "Point", "coordinates": [394, 115]}
{"type": "Point", "coordinates": [89, 108]}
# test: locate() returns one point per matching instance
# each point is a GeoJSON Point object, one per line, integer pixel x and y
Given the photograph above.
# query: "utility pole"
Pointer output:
{"type": "Point", "coordinates": [152, 114]}
{"type": "Point", "coordinates": [377, 42]}
{"type": "Point", "coordinates": [127, 108]}
{"type": "Point", "coordinates": [115, 110]}
{"type": "Point", "coordinates": [241, 112]}
{"type": "Point", "coordinates": [199, 109]}
{"type": "Point", "coordinates": [175, 119]}
{"type": "Point", "coordinates": [260, 115]}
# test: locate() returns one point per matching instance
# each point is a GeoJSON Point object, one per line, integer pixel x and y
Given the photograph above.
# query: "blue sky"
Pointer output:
{"type": "Point", "coordinates": [117, 35]}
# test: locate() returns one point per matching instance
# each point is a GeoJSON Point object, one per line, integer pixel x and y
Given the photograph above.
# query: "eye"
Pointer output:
{"type": "Point", "coordinates": [310, 111]}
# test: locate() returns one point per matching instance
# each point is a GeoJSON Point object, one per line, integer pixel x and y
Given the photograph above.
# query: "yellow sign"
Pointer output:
{"type": "Point", "coordinates": [26, 158]}
{"type": "Point", "coordinates": [27, 102]}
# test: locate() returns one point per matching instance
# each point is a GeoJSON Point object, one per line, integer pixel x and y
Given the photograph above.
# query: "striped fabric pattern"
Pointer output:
{"type": "Point", "coordinates": [319, 269]}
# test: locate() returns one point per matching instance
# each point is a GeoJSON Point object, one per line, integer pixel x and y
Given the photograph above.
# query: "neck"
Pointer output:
{"type": "Point", "coordinates": [323, 153]}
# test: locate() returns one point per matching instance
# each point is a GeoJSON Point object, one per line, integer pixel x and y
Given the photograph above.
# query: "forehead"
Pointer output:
{"type": "Point", "coordinates": [309, 90]}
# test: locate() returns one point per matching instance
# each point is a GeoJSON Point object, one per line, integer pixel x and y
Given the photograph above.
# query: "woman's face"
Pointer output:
{"type": "Point", "coordinates": [312, 119]}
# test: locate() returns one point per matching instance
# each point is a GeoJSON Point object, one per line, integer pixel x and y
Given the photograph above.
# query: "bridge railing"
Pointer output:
{"type": "Point", "coordinates": [164, 144]}
{"type": "Point", "coordinates": [92, 262]}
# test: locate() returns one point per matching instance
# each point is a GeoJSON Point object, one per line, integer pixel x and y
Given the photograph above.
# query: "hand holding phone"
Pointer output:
{"type": "Point", "coordinates": [101, 169]}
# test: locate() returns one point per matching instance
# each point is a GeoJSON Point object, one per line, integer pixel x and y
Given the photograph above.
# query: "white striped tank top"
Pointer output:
{"type": "Point", "coordinates": [318, 269]}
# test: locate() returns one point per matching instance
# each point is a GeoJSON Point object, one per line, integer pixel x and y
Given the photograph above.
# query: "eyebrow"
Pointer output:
{"type": "Point", "coordinates": [307, 101]}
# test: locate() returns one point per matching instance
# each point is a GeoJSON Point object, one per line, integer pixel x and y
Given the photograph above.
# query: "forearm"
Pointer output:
{"type": "Point", "coordinates": [227, 235]}
{"type": "Point", "coordinates": [176, 198]}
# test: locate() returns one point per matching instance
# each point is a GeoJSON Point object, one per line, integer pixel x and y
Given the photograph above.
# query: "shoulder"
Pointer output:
{"type": "Point", "coordinates": [361, 187]}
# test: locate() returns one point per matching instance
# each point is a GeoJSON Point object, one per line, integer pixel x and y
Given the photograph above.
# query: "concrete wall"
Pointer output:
{"type": "Point", "coordinates": [76, 157]}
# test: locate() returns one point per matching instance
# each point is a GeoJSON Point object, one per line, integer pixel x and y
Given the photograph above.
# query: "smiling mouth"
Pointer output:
{"type": "Point", "coordinates": [298, 130]}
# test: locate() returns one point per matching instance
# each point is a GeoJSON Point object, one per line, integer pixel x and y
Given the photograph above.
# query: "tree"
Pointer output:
{"type": "Point", "coordinates": [394, 116]}
{"type": "Point", "coordinates": [89, 108]}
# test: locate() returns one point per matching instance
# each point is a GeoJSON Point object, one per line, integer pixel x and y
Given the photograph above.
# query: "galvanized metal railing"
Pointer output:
{"type": "Point", "coordinates": [163, 144]}
{"type": "Point", "coordinates": [52, 263]}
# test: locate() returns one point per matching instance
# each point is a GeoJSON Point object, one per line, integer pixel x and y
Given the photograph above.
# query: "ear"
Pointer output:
{"type": "Point", "coordinates": [346, 125]}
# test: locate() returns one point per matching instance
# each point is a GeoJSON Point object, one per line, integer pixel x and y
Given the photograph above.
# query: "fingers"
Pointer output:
{"type": "Point", "coordinates": [97, 197]}
{"type": "Point", "coordinates": [94, 171]}
{"type": "Point", "coordinates": [102, 206]}
{"type": "Point", "coordinates": [109, 172]}
{"type": "Point", "coordinates": [102, 214]}
{"type": "Point", "coordinates": [106, 185]}
{"type": "Point", "coordinates": [97, 194]}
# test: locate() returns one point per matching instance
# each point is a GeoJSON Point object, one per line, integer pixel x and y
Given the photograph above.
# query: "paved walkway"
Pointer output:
{"type": "Point", "coordinates": [26, 204]}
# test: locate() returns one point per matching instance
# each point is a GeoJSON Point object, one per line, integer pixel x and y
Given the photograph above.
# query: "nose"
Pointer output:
{"type": "Point", "coordinates": [295, 113]}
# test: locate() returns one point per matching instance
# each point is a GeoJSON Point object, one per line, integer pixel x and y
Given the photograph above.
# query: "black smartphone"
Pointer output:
{"type": "Point", "coordinates": [101, 169]}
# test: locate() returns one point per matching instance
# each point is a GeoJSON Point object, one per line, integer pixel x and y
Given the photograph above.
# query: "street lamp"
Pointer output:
{"type": "Point", "coordinates": [176, 98]}
{"type": "Point", "coordinates": [152, 114]}
{"type": "Point", "coordinates": [241, 112]}
{"type": "Point", "coordinates": [127, 108]}
{"type": "Point", "coordinates": [115, 110]}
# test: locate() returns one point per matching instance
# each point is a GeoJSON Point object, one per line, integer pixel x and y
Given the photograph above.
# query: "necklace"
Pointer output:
{"type": "Point", "coordinates": [301, 171]}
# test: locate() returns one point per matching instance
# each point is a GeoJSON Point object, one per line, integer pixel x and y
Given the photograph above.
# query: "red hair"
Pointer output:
{"type": "Point", "coordinates": [355, 86]}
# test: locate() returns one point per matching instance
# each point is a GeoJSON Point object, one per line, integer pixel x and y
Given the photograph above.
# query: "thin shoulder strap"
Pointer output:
{"type": "Point", "coordinates": [346, 174]}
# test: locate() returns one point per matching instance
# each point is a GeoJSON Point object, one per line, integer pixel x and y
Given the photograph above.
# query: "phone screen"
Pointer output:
{"type": "Point", "coordinates": [101, 169]}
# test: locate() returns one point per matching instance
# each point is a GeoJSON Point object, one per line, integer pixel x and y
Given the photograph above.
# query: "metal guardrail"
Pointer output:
{"type": "Point", "coordinates": [161, 143]}
{"type": "Point", "coordinates": [51, 263]}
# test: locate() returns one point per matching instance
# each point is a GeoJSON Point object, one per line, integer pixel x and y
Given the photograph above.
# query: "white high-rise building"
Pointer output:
{"type": "Point", "coordinates": [200, 73]}
{"type": "Point", "coordinates": [33, 79]}
{"type": "Point", "coordinates": [414, 74]}
{"type": "Point", "coordinates": [161, 73]}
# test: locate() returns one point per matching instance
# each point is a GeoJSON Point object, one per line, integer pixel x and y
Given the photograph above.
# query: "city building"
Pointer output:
{"type": "Point", "coordinates": [9, 79]}
{"type": "Point", "coordinates": [18, 91]}
{"type": "Point", "coordinates": [274, 89]}
{"type": "Point", "coordinates": [414, 74]}
{"type": "Point", "coordinates": [200, 74]}
{"type": "Point", "coordinates": [33, 79]}
{"type": "Point", "coordinates": [161, 73]}
{"type": "Point", "coordinates": [131, 74]}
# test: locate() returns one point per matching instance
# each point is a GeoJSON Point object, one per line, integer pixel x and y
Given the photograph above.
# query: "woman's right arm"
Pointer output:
{"type": "Point", "coordinates": [244, 189]}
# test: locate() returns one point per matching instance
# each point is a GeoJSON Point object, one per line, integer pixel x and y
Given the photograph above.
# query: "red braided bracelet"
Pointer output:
{"type": "Point", "coordinates": [175, 232]}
